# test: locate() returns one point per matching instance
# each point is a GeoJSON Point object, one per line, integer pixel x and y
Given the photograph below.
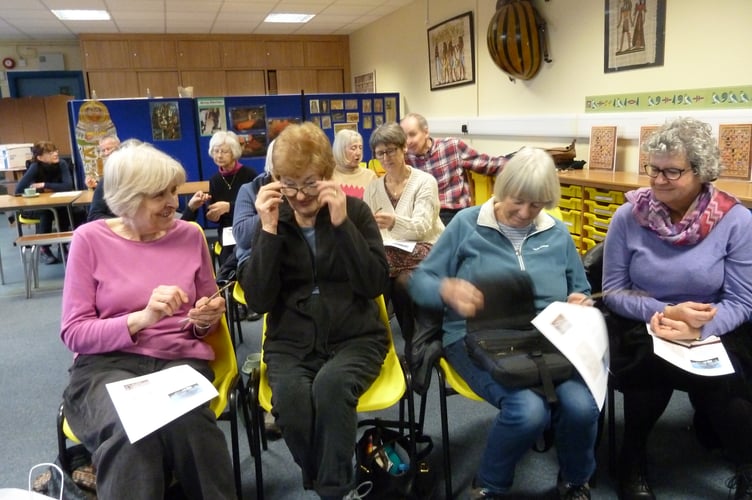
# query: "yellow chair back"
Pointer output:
{"type": "Point", "coordinates": [386, 390]}
{"type": "Point", "coordinates": [456, 382]}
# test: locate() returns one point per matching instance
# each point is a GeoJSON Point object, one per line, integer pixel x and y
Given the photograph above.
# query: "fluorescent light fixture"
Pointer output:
{"type": "Point", "coordinates": [82, 15]}
{"type": "Point", "coordinates": [288, 18]}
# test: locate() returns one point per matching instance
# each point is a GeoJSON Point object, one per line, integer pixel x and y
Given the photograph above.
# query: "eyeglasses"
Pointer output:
{"type": "Point", "coordinates": [385, 152]}
{"type": "Point", "coordinates": [670, 174]}
{"type": "Point", "coordinates": [217, 151]}
{"type": "Point", "coordinates": [292, 191]}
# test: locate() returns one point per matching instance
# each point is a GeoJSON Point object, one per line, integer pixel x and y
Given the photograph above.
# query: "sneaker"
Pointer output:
{"type": "Point", "coordinates": [271, 429]}
{"type": "Point", "coordinates": [48, 258]}
{"type": "Point", "coordinates": [253, 316]}
{"type": "Point", "coordinates": [741, 483]}
{"type": "Point", "coordinates": [483, 493]}
{"type": "Point", "coordinates": [569, 491]}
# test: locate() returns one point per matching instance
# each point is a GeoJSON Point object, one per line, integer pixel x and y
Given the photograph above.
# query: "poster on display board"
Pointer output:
{"type": "Point", "coordinates": [359, 112]}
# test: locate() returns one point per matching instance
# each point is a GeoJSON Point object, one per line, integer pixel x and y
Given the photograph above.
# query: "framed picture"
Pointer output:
{"type": "Point", "coordinates": [451, 52]}
{"type": "Point", "coordinates": [602, 148]}
{"type": "Point", "coordinates": [365, 83]}
{"type": "Point", "coordinates": [634, 36]}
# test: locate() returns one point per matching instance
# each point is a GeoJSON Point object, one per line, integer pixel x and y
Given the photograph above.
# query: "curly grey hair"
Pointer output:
{"type": "Point", "coordinates": [693, 138]}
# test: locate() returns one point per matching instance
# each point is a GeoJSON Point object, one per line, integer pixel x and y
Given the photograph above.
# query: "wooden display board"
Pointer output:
{"type": "Point", "coordinates": [602, 148]}
{"type": "Point", "coordinates": [735, 143]}
{"type": "Point", "coordinates": [645, 132]}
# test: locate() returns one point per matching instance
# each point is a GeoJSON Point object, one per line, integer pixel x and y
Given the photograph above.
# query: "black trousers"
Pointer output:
{"type": "Point", "coordinates": [192, 449]}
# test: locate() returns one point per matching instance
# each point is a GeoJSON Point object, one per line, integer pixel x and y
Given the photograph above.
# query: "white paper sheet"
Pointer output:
{"type": "Point", "coordinates": [65, 194]}
{"type": "Point", "coordinates": [407, 246]}
{"type": "Point", "coordinates": [705, 357]}
{"type": "Point", "coordinates": [146, 403]}
{"type": "Point", "coordinates": [227, 238]}
{"type": "Point", "coordinates": [579, 332]}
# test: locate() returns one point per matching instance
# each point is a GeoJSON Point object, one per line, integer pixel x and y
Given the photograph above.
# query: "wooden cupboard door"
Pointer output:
{"type": "Point", "coordinates": [10, 132]}
{"type": "Point", "coordinates": [324, 54]}
{"type": "Point", "coordinates": [106, 54]}
{"type": "Point", "coordinates": [195, 54]}
{"type": "Point", "coordinates": [250, 82]}
{"type": "Point", "coordinates": [243, 54]}
{"type": "Point", "coordinates": [330, 80]}
{"type": "Point", "coordinates": [292, 81]}
{"type": "Point", "coordinates": [32, 119]}
{"type": "Point", "coordinates": [56, 111]}
{"type": "Point", "coordinates": [205, 83]}
{"type": "Point", "coordinates": [158, 83]}
{"type": "Point", "coordinates": [153, 54]}
{"type": "Point", "coordinates": [112, 84]}
{"type": "Point", "coordinates": [284, 55]}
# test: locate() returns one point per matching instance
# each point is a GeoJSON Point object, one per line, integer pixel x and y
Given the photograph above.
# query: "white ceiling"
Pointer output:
{"type": "Point", "coordinates": [32, 19]}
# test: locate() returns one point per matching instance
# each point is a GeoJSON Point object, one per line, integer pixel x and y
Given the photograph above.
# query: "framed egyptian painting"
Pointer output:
{"type": "Point", "coordinates": [634, 35]}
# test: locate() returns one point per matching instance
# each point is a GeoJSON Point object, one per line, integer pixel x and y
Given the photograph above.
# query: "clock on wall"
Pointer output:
{"type": "Point", "coordinates": [9, 63]}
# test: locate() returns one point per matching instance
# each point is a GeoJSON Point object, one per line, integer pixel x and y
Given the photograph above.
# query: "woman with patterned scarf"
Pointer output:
{"type": "Point", "coordinates": [685, 247]}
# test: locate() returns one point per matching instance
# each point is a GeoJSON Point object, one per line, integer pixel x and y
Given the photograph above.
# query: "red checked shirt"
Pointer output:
{"type": "Point", "coordinates": [447, 159]}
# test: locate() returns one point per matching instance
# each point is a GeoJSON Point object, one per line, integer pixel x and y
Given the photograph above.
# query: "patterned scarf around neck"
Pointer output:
{"type": "Point", "coordinates": [703, 214]}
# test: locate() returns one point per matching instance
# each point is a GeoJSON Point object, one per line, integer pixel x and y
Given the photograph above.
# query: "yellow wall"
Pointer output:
{"type": "Point", "coordinates": [706, 46]}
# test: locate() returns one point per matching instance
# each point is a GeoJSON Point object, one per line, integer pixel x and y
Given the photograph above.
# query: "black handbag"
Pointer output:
{"type": "Point", "coordinates": [501, 340]}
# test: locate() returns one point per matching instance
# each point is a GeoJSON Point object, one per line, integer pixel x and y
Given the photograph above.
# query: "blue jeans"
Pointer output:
{"type": "Point", "coordinates": [523, 415]}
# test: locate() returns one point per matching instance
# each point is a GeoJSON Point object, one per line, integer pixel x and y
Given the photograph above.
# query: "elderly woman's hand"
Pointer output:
{"type": "Point", "coordinates": [385, 220]}
{"type": "Point", "coordinates": [217, 210]}
{"type": "Point", "coordinates": [695, 314]}
{"type": "Point", "coordinates": [580, 299]}
{"type": "Point", "coordinates": [165, 300]}
{"type": "Point", "coordinates": [198, 199]}
{"type": "Point", "coordinates": [671, 329]}
{"type": "Point", "coordinates": [267, 206]}
{"type": "Point", "coordinates": [207, 312]}
{"type": "Point", "coordinates": [462, 296]}
{"type": "Point", "coordinates": [331, 193]}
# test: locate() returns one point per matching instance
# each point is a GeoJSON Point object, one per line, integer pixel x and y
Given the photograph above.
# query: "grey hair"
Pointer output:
{"type": "Point", "coordinates": [692, 138]}
{"type": "Point", "coordinates": [388, 133]}
{"type": "Point", "coordinates": [136, 172]}
{"type": "Point", "coordinates": [531, 176]}
{"type": "Point", "coordinates": [343, 140]}
{"type": "Point", "coordinates": [422, 122]}
{"type": "Point", "coordinates": [230, 138]}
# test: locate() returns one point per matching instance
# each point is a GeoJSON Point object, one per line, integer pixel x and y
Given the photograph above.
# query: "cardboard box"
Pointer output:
{"type": "Point", "coordinates": [14, 156]}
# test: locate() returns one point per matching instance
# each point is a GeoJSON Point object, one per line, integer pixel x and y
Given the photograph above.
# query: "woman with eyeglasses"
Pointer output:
{"type": "Point", "coordinates": [348, 170]}
{"type": "Point", "coordinates": [316, 267]}
{"type": "Point", "coordinates": [405, 204]}
{"type": "Point", "coordinates": [225, 150]}
{"type": "Point", "coordinates": [686, 247]}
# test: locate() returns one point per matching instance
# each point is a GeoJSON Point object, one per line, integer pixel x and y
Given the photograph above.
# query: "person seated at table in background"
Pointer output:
{"type": "Point", "coordinates": [686, 247]}
{"type": "Point", "coordinates": [316, 267]}
{"type": "Point", "coordinates": [107, 144]}
{"type": "Point", "coordinates": [348, 171]}
{"type": "Point", "coordinates": [98, 208]}
{"type": "Point", "coordinates": [132, 283]}
{"type": "Point", "coordinates": [448, 160]}
{"type": "Point", "coordinates": [511, 232]}
{"type": "Point", "coordinates": [47, 173]}
{"type": "Point", "coordinates": [405, 204]}
{"type": "Point", "coordinates": [225, 150]}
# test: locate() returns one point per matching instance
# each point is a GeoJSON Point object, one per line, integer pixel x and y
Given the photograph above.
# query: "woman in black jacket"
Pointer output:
{"type": "Point", "coordinates": [316, 266]}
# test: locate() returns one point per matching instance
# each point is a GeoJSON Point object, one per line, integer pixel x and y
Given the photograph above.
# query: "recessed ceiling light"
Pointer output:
{"type": "Point", "coordinates": [82, 15]}
{"type": "Point", "coordinates": [288, 18]}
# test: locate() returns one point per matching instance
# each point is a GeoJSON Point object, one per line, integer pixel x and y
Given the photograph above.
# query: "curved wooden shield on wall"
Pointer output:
{"type": "Point", "coordinates": [516, 39]}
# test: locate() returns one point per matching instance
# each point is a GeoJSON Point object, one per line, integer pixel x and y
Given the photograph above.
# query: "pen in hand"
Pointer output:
{"type": "Point", "coordinates": [212, 296]}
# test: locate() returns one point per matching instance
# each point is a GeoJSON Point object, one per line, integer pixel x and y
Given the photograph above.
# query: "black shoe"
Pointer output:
{"type": "Point", "coordinates": [48, 259]}
{"type": "Point", "coordinates": [741, 483]}
{"type": "Point", "coordinates": [633, 482]}
{"type": "Point", "coordinates": [574, 491]}
{"type": "Point", "coordinates": [253, 316]}
{"type": "Point", "coordinates": [483, 493]}
{"type": "Point", "coordinates": [271, 429]}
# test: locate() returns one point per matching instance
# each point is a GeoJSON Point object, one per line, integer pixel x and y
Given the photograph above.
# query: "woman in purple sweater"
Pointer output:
{"type": "Point", "coordinates": [130, 282]}
{"type": "Point", "coordinates": [686, 248]}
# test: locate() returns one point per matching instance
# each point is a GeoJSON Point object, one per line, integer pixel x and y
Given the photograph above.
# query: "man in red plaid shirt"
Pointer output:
{"type": "Point", "coordinates": [447, 159]}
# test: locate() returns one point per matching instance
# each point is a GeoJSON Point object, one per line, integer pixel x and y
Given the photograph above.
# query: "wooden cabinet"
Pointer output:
{"type": "Point", "coordinates": [106, 54]}
{"type": "Point", "coordinates": [36, 119]}
{"type": "Point", "coordinates": [214, 65]}
{"type": "Point", "coordinates": [195, 54]}
{"type": "Point", "coordinates": [153, 54]}
{"type": "Point", "coordinates": [251, 82]}
{"type": "Point", "coordinates": [243, 54]}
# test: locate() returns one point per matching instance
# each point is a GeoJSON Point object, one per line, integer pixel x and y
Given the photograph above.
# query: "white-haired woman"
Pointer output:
{"type": "Point", "coordinates": [225, 150]}
{"type": "Point", "coordinates": [130, 282]}
{"type": "Point", "coordinates": [348, 171]}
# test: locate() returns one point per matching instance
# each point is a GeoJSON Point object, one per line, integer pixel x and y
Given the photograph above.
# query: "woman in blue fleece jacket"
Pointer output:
{"type": "Point", "coordinates": [510, 232]}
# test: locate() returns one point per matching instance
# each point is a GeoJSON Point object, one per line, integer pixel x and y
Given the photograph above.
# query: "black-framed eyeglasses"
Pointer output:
{"type": "Point", "coordinates": [670, 174]}
{"type": "Point", "coordinates": [292, 191]}
{"type": "Point", "coordinates": [385, 152]}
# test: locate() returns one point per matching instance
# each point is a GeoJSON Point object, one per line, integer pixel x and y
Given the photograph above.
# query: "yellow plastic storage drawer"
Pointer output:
{"type": "Point", "coordinates": [570, 203]}
{"type": "Point", "coordinates": [600, 209]}
{"type": "Point", "coordinates": [597, 222]}
{"type": "Point", "coordinates": [571, 191]}
{"type": "Point", "coordinates": [603, 196]}
{"type": "Point", "coordinates": [587, 244]}
{"type": "Point", "coordinates": [573, 220]}
{"type": "Point", "coordinates": [593, 233]}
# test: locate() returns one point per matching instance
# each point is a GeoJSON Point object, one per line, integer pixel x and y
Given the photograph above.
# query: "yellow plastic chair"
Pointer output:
{"type": "Point", "coordinates": [389, 388]}
{"type": "Point", "coordinates": [375, 165]}
{"type": "Point", "coordinates": [233, 298]}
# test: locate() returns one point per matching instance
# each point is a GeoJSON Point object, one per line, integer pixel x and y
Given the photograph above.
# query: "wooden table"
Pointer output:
{"type": "Point", "coordinates": [49, 201]}
{"type": "Point", "coordinates": [193, 187]}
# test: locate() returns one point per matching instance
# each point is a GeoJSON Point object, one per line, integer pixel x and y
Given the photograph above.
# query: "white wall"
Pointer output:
{"type": "Point", "coordinates": [26, 55]}
{"type": "Point", "coordinates": [707, 45]}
